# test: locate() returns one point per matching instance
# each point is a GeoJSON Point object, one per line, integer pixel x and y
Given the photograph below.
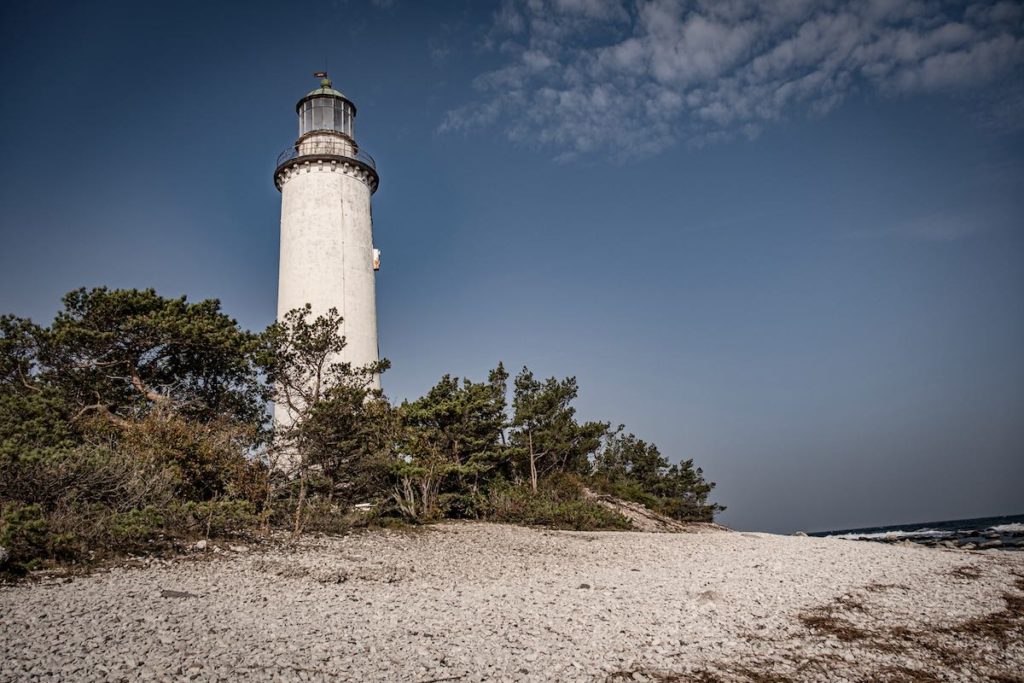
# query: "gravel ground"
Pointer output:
{"type": "Point", "coordinates": [473, 602]}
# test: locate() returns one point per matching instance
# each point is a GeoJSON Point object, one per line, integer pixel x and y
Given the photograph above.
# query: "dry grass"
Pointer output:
{"type": "Point", "coordinates": [824, 621]}
{"type": "Point", "coordinates": [967, 572]}
{"type": "Point", "coordinates": [998, 626]}
{"type": "Point", "coordinates": [950, 647]}
{"type": "Point", "coordinates": [658, 676]}
{"type": "Point", "coordinates": [827, 624]}
{"type": "Point", "coordinates": [923, 653]}
{"type": "Point", "coordinates": [726, 674]}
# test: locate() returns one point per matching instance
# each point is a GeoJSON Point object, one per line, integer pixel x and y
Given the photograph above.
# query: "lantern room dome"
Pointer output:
{"type": "Point", "coordinates": [325, 91]}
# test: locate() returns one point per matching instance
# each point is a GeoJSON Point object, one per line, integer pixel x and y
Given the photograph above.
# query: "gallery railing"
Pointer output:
{"type": "Point", "coordinates": [326, 148]}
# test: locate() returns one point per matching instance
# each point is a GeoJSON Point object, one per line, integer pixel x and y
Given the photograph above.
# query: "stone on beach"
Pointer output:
{"type": "Point", "coordinates": [475, 602]}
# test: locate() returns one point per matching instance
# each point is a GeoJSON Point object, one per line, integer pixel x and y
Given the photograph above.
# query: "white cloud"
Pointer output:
{"type": "Point", "coordinates": [585, 76]}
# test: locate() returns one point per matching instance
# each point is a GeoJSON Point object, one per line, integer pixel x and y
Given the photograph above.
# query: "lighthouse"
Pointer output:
{"type": "Point", "coordinates": [327, 256]}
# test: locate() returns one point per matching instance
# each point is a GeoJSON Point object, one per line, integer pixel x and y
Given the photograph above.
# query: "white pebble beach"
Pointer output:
{"type": "Point", "coordinates": [485, 602]}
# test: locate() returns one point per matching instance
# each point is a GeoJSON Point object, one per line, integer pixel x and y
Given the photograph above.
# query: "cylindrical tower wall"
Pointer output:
{"type": "Point", "coordinates": [327, 252]}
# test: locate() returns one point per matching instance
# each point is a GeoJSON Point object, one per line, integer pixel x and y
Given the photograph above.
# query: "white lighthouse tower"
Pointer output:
{"type": "Point", "coordinates": [327, 254]}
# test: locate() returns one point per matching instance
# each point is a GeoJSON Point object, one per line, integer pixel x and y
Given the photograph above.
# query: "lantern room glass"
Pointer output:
{"type": "Point", "coordinates": [326, 113]}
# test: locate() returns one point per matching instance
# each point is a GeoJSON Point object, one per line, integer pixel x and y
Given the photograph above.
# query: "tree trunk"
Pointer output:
{"type": "Point", "coordinates": [298, 507]}
{"type": "Point", "coordinates": [533, 465]}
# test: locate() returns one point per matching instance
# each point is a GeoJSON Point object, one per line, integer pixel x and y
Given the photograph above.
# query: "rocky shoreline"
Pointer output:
{"type": "Point", "coordinates": [975, 539]}
{"type": "Point", "coordinates": [476, 602]}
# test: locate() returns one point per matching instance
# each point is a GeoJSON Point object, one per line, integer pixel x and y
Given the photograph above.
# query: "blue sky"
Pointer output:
{"type": "Point", "coordinates": [784, 239]}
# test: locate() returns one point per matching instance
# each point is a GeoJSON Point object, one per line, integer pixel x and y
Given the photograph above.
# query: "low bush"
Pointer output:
{"type": "Point", "coordinates": [69, 505]}
{"type": "Point", "coordinates": [559, 503]}
{"type": "Point", "coordinates": [91, 474]}
{"type": "Point", "coordinates": [35, 535]}
{"type": "Point", "coordinates": [25, 535]}
{"type": "Point", "coordinates": [92, 501]}
{"type": "Point", "coordinates": [211, 518]}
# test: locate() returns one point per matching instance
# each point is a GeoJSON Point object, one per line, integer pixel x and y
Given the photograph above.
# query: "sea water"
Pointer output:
{"type": "Point", "coordinates": [1004, 533]}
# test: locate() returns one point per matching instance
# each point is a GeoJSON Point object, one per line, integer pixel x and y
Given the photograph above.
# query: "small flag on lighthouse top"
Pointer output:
{"type": "Point", "coordinates": [320, 74]}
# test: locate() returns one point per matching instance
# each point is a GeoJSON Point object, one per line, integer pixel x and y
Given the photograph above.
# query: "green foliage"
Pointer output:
{"type": "Point", "coordinates": [545, 434]}
{"type": "Point", "coordinates": [89, 475]}
{"type": "Point", "coordinates": [80, 502]}
{"type": "Point", "coordinates": [212, 517]}
{"type": "Point", "coordinates": [300, 362]}
{"type": "Point", "coordinates": [461, 423]}
{"type": "Point", "coordinates": [126, 352]}
{"type": "Point", "coordinates": [326, 436]}
{"type": "Point", "coordinates": [452, 444]}
{"type": "Point", "coordinates": [24, 533]}
{"type": "Point", "coordinates": [632, 469]}
{"type": "Point", "coordinates": [558, 503]}
{"type": "Point", "coordinates": [33, 416]}
{"type": "Point", "coordinates": [134, 527]}
{"type": "Point", "coordinates": [349, 440]}
{"type": "Point", "coordinates": [320, 515]}
{"type": "Point", "coordinates": [19, 348]}
{"type": "Point", "coordinates": [114, 419]}
{"type": "Point", "coordinates": [33, 425]}
{"type": "Point", "coordinates": [134, 419]}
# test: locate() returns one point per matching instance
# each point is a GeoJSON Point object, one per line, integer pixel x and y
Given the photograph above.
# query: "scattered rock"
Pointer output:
{"type": "Point", "coordinates": [990, 544]}
{"type": "Point", "coordinates": [200, 545]}
{"type": "Point", "coordinates": [483, 597]}
{"type": "Point", "coordinates": [239, 548]}
{"type": "Point", "coordinates": [799, 533]}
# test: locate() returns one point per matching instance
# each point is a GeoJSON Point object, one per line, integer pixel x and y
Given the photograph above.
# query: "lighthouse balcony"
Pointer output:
{"type": "Point", "coordinates": [339, 148]}
{"type": "Point", "coordinates": [335, 151]}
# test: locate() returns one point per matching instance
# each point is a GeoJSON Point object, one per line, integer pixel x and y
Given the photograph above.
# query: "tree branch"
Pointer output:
{"type": "Point", "coordinates": [28, 385]}
{"type": "Point", "coordinates": [104, 410]}
{"type": "Point", "coordinates": [153, 396]}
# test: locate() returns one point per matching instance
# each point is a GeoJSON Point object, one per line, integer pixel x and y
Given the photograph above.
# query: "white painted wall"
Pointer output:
{"type": "Point", "coordinates": [327, 252]}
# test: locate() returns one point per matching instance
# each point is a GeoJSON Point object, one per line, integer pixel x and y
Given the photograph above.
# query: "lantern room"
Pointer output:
{"type": "Point", "coordinates": [326, 109]}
